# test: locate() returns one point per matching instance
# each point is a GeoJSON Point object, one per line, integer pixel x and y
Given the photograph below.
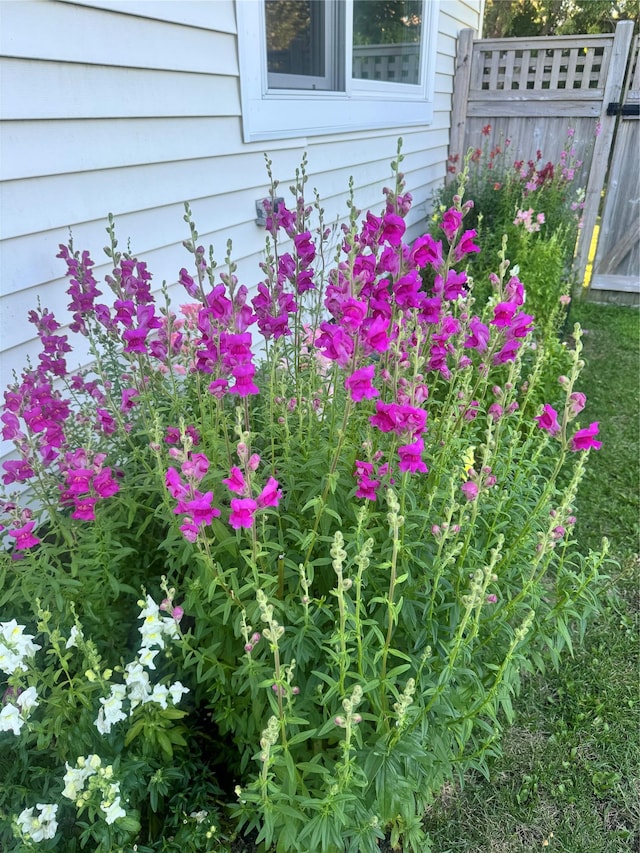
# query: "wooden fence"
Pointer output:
{"type": "Point", "coordinates": [532, 92]}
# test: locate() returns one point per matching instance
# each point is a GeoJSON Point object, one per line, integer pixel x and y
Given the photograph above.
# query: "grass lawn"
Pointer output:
{"type": "Point", "coordinates": [569, 779]}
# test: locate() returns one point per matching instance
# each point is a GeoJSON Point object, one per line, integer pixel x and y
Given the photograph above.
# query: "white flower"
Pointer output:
{"type": "Point", "coordinates": [10, 662]}
{"type": "Point", "coordinates": [152, 609]}
{"type": "Point", "coordinates": [156, 626]}
{"type": "Point", "coordinates": [200, 816]}
{"type": "Point", "coordinates": [41, 827]}
{"type": "Point", "coordinates": [27, 701]}
{"type": "Point", "coordinates": [74, 780]}
{"type": "Point", "coordinates": [15, 646]}
{"type": "Point", "coordinates": [146, 656]}
{"type": "Point", "coordinates": [111, 711]}
{"type": "Point", "coordinates": [176, 691]}
{"type": "Point", "coordinates": [112, 811]}
{"type": "Point", "coordinates": [159, 695]}
{"type": "Point", "coordinates": [74, 635]}
{"type": "Point", "coordinates": [137, 681]}
{"type": "Point", "coordinates": [170, 627]}
{"type": "Point", "coordinates": [48, 811]}
{"type": "Point", "coordinates": [94, 761]}
{"type": "Point", "coordinates": [10, 719]}
{"type": "Point", "coordinates": [151, 630]}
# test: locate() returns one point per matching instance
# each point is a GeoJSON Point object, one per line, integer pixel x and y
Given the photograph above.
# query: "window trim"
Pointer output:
{"type": "Point", "coordinates": [269, 114]}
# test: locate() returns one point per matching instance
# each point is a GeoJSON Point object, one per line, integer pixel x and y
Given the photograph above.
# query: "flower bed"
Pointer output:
{"type": "Point", "coordinates": [349, 548]}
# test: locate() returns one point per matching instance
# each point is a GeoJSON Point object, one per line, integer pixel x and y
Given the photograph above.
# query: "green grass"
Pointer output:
{"type": "Point", "coordinates": [569, 776]}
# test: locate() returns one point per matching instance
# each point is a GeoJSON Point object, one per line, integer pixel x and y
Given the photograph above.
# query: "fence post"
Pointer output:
{"type": "Point", "coordinates": [603, 143]}
{"type": "Point", "coordinates": [461, 83]}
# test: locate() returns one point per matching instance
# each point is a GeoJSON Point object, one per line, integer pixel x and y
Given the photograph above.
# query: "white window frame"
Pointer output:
{"type": "Point", "coordinates": [363, 105]}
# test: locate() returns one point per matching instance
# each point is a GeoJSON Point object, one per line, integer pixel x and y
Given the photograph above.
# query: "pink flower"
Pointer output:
{"type": "Point", "coordinates": [24, 536]}
{"type": "Point", "coordinates": [393, 227]}
{"type": "Point", "coordinates": [454, 286]}
{"type": "Point", "coordinates": [411, 457]}
{"type": "Point", "coordinates": [335, 343]}
{"type": "Point", "coordinates": [577, 402]}
{"type": "Point", "coordinates": [235, 482]}
{"type": "Point", "coordinates": [174, 484]}
{"type": "Point", "coordinates": [374, 334]}
{"type": "Point", "coordinates": [548, 420]}
{"type": "Point", "coordinates": [359, 384]}
{"type": "Point", "coordinates": [242, 512]}
{"type": "Point", "coordinates": [244, 386]}
{"type": "Point", "coordinates": [199, 509]}
{"type": "Point", "coordinates": [425, 251]}
{"type": "Point", "coordinates": [105, 422]}
{"type": "Point", "coordinates": [104, 485]}
{"type": "Point", "coordinates": [478, 335]}
{"type": "Point", "coordinates": [507, 353]}
{"type": "Point", "coordinates": [270, 495]}
{"type": "Point", "coordinates": [515, 291]}
{"type": "Point", "coordinates": [407, 289]}
{"type": "Point", "coordinates": [466, 245]}
{"type": "Point", "coordinates": [18, 471]}
{"type": "Point", "coordinates": [128, 397]}
{"type": "Point", "coordinates": [451, 221]}
{"type": "Point", "coordinates": [430, 310]}
{"type": "Point", "coordinates": [189, 530]}
{"type": "Point", "coordinates": [521, 325]}
{"type": "Point", "coordinates": [196, 466]}
{"type": "Point", "coordinates": [584, 439]}
{"type": "Point", "coordinates": [219, 387]}
{"type": "Point", "coordinates": [503, 314]}
{"type": "Point", "coordinates": [470, 490]}
{"type": "Point", "coordinates": [367, 488]}
{"type": "Point", "coordinates": [85, 509]}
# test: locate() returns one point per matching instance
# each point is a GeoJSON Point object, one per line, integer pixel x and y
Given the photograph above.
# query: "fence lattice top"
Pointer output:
{"type": "Point", "coordinates": [541, 64]}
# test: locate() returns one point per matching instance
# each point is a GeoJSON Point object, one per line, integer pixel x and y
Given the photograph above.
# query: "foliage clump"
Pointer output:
{"type": "Point", "coordinates": [350, 547]}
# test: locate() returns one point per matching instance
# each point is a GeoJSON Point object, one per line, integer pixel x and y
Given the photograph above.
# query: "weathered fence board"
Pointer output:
{"type": "Point", "coordinates": [617, 259]}
{"type": "Point", "coordinates": [530, 91]}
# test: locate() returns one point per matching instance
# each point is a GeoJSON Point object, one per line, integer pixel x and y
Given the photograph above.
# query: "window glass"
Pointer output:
{"type": "Point", "coordinates": [296, 43]}
{"type": "Point", "coordinates": [386, 40]}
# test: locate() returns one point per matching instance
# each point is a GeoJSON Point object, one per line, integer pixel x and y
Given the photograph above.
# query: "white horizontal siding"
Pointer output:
{"type": "Point", "coordinates": [217, 15]}
{"type": "Point", "coordinates": [133, 107]}
{"type": "Point", "coordinates": [59, 147]}
{"type": "Point", "coordinates": [110, 38]}
{"type": "Point", "coordinates": [66, 90]}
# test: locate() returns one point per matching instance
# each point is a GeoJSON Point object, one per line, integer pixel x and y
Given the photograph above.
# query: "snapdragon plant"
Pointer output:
{"type": "Point", "coordinates": [362, 536]}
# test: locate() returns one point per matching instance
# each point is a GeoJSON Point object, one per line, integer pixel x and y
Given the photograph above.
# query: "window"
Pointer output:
{"type": "Point", "coordinates": [325, 66]}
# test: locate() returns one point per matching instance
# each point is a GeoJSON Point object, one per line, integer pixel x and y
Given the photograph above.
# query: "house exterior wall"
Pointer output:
{"type": "Point", "coordinates": [134, 107]}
